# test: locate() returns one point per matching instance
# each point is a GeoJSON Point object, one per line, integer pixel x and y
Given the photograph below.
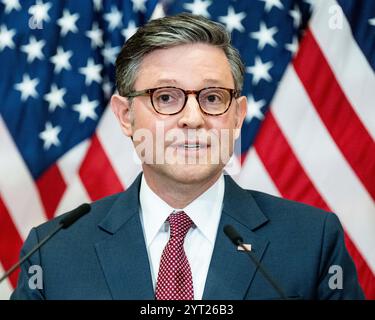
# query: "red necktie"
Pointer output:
{"type": "Point", "coordinates": [175, 281]}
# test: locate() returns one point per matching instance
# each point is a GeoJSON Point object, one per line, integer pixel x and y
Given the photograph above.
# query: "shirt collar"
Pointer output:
{"type": "Point", "coordinates": [205, 211]}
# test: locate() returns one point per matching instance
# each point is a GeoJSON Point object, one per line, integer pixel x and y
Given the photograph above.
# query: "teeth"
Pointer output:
{"type": "Point", "coordinates": [191, 146]}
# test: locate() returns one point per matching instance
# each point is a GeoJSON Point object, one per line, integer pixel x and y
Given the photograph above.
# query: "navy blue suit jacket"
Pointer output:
{"type": "Point", "coordinates": [103, 255]}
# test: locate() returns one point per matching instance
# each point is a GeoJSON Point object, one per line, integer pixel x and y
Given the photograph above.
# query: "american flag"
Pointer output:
{"type": "Point", "coordinates": [308, 136]}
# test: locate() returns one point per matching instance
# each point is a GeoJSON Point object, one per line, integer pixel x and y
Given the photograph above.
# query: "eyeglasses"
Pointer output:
{"type": "Point", "coordinates": [212, 101]}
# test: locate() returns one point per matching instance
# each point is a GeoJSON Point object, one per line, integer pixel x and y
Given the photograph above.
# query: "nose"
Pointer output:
{"type": "Point", "coordinates": [191, 115]}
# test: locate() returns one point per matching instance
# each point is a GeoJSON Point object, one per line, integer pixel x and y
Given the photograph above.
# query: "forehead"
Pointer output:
{"type": "Point", "coordinates": [190, 66]}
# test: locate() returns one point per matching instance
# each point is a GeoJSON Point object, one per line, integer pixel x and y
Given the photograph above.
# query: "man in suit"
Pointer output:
{"type": "Point", "coordinates": [163, 237]}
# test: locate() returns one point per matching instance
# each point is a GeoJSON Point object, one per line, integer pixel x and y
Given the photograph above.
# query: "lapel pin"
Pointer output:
{"type": "Point", "coordinates": [247, 246]}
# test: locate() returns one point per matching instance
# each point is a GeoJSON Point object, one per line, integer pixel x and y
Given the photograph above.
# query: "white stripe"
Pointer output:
{"type": "Point", "coordinates": [255, 176]}
{"type": "Point", "coordinates": [17, 187]}
{"type": "Point", "coordinates": [5, 287]}
{"type": "Point", "coordinates": [69, 165]}
{"type": "Point", "coordinates": [74, 196]}
{"type": "Point", "coordinates": [352, 70]}
{"type": "Point", "coordinates": [324, 164]}
{"type": "Point", "coordinates": [119, 148]}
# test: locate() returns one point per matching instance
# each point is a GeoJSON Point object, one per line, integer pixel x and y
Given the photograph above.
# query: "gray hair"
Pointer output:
{"type": "Point", "coordinates": [168, 32]}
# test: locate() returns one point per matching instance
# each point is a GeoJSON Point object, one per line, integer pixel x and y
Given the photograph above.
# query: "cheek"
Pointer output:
{"type": "Point", "coordinates": [225, 121]}
{"type": "Point", "coordinates": [152, 128]}
{"type": "Point", "coordinates": [143, 118]}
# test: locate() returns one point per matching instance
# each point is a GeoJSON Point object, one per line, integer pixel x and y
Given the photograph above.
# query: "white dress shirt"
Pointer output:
{"type": "Point", "coordinates": [205, 212]}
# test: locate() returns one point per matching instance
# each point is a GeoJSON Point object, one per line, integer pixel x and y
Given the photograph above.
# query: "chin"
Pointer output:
{"type": "Point", "coordinates": [192, 173]}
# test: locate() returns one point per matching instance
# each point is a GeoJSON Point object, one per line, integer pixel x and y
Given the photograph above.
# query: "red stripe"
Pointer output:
{"type": "Point", "coordinates": [293, 183]}
{"type": "Point", "coordinates": [335, 110]}
{"type": "Point", "coordinates": [51, 187]}
{"type": "Point", "coordinates": [10, 242]}
{"type": "Point", "coordinates": [366, 277]}
{"type": "Point", "coordinates": [286, 171]}
{"type": "Point", "coordinates": [97, 173]}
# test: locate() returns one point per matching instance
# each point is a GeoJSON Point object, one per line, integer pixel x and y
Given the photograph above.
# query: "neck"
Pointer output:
{"type": "Point", "coordinates": [178, 194]}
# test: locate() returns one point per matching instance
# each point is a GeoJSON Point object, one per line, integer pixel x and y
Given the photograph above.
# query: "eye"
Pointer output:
{"type": "Point", "coordinates": [164, 97]}
{"type": "Point", "coordinates": [212, 98]}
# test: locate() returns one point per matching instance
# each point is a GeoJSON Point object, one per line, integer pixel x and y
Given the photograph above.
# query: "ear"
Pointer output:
{"type": "Point", "coordinates": [241, 111]}
{"type": "Point", "coordinates": [121, 108]}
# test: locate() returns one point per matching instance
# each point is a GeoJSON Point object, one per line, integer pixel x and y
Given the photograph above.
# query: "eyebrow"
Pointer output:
{"type": "Point", "coordinates": [175, 83]}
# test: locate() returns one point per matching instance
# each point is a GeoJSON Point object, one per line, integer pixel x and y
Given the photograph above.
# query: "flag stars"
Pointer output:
{"type": "Point", "coordinates": [296, 16]}
{"type": "Point", "coordinates": [11, 5]}
{"type": "Point", "coordinates": [6, 37]}
{"type": "Point", "coordinates": [50, 136]}
{"type": "Point", "coordinates": [260, 70]}
{"type": "Point", "coordinates": [27, 87]}
{"type": "Point", "coordinates": [61, 60]}
{"type": "Point", "coordinates": [98, 5]}
{"type": "Point", "coordinates": [67, 22]}
{"type": "Point", "coordinates": [233, 20]}
{"type": "Point", "coordinates": [292, 47]}
{"type": "Point", "coordinates": [95, 35]}
{"type": "Point", "coordinates": [110, 53]}
{"type": "Point", "coordinates": [269, 4]}
{"type": "Point", "coordinates": [55, 98]}
{"type": "Point", "coordinates": [265, 36]}
{"type": "Point", "coordinates": [34, 49]}
{"type": "Point", "coordinates": [114, 18]}
{"type": "Point", "coordinates": [86, 109]}
{"type": "Point", "coordinates": [39, 11]}
{"type": "Point", "coordinates": [139, 5]}
{"type": "Point", "coordinates": [199, 7]}
{"type": "Point", "coordinates": [254, 109]}
{"type": "Point", "coordinates": [371, 21]}
{"type": "Point", "coordinates": [91, 72]}
{"type": "Point", "coordinates": [129, 30]}
{"type": "Point", "coordinates": [107, 88]}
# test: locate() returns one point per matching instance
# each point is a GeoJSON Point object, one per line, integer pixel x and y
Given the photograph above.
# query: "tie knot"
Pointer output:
{"type": "Point", "coordinates": [180, 224]}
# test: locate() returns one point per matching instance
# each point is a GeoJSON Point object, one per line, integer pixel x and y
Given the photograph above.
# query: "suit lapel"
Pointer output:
{"type": "Point", "coordinates": [124, 259]}
{"type": "Point", "coordinates": [123, 255]}
{"type": "Point", "coordinates": [231, 271]}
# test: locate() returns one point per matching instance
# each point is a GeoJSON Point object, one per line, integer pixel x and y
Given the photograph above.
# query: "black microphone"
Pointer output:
{"type": "Point", "coordinates": [64, 223]}
{"type": "Point", "coordinates": [237, 240]}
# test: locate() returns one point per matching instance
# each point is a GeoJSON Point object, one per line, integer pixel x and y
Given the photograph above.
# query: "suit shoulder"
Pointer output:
{"type": "Point", "coordinates": [276, 207]}
{"type": "Point", "coordinates": [97, 212]}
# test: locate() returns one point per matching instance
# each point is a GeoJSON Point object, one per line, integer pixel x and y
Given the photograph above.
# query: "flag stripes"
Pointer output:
{"type": "Point", "coordinates": [51, 187]}
{"type": "Point", "coordinates": [283, 166]}
{"type": "Point", "coordinates": [335, 111]}
{"type": "Point", "coordinates": [254, 175]}
{"type": "Point", "coordinates": [323, 162]}
{"type": "Point", "coordinates": [347, 61]}
{"type": "Point", "coordinates": [10, 242]}
{"type": "Point", "coordinates": [98, 185]}
{"type": "Point", "coordinates": [14, 175]}
{"type": "Point", "coordinates": [290, 178]}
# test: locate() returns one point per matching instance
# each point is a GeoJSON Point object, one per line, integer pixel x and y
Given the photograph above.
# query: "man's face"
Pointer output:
{"type": "Point", "coordinates": [190, 146]}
